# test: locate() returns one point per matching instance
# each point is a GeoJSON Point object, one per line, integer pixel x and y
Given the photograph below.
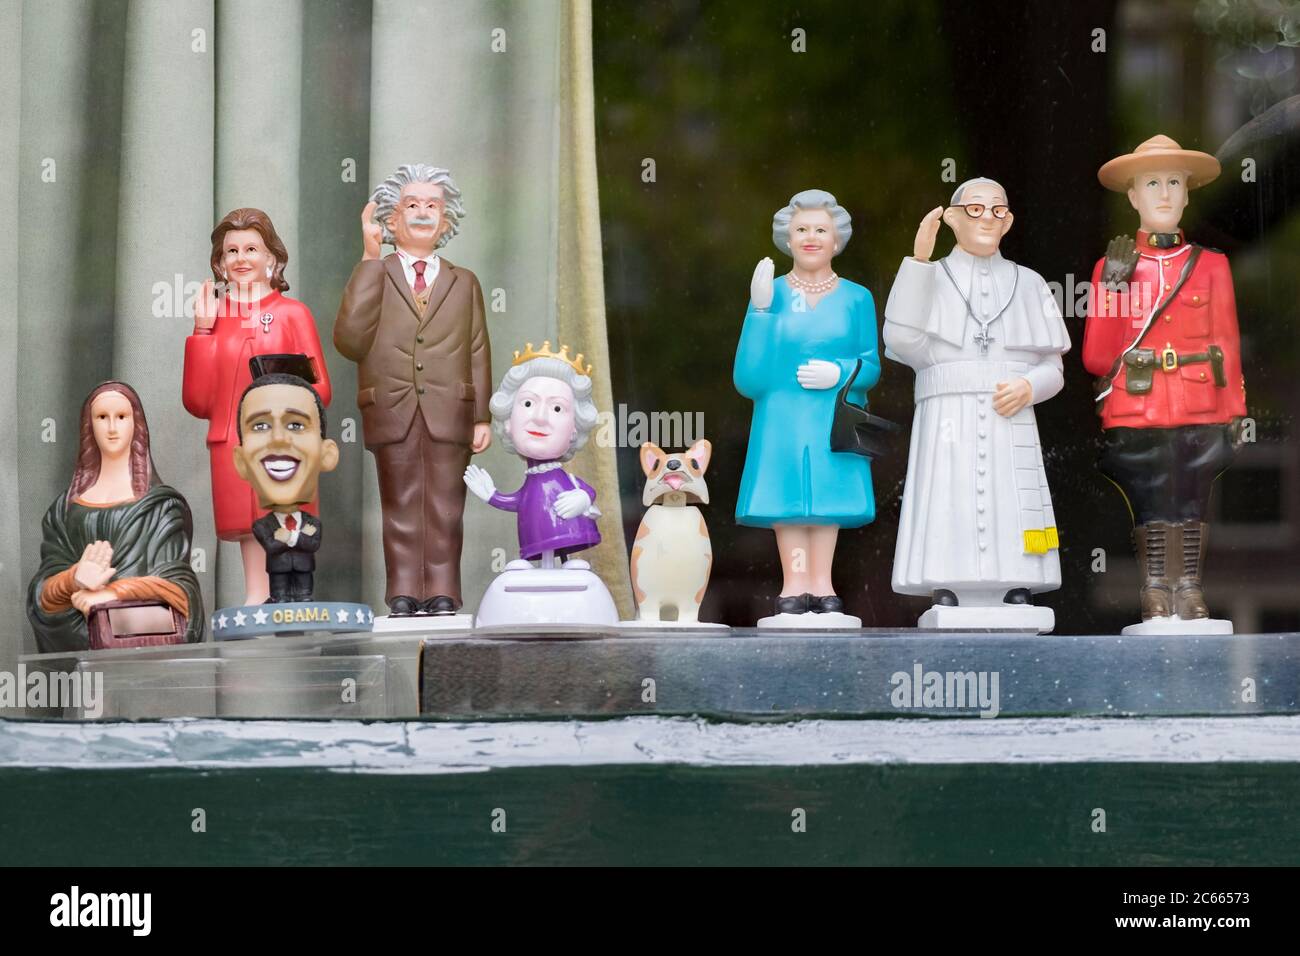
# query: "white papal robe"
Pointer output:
{"type": "Point", "coordinates": [977, 515]}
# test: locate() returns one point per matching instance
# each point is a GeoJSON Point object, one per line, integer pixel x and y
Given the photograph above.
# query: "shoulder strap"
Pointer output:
{"type": "Point", "coordinates": [844, 389]}
{"type": "Point", "coordinates": [1104, 383]}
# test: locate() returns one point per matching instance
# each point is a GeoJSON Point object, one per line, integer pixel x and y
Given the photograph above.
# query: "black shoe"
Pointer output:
{"type": "Point", "coordinates": [403, 606]}
{"type": "Point", "coordinates": [440, 605]}
{"type": "Point", "coordinates": [944, 598]}
{"type": "Point", "coordinates": [827, 604]}
{"type": "Point", "coordinates": [793, 604]}
{"type": "Point", "coordinates": [300, 597]}
{"type": "Point", "coordinates": [1017, 596]}
{"type": "Point", "coordinates": [278, 599]}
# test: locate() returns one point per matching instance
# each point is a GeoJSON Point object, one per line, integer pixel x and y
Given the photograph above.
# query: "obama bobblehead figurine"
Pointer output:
{"type": "Point", "coordinates": [414, 324]}
{"type": "Point", "coordinates": [282, 451]}
{"type": "Point", "coordinates": [1162, 337]}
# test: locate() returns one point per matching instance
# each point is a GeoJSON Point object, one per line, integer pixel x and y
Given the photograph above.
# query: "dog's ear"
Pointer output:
{"type": "Point", "coordinates": [699, 455]}
{"type": "Point", "coordinates": [652, 457]}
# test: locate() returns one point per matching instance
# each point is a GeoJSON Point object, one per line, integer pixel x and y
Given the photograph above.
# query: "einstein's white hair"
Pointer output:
{"type": "Point", "coordinates": [584, 409]}
{"type": "Point", "coordinates": [387, 194]}
{"type": "Point", "coordinates": [977, 181]}
{"type": "Point", "coordinates": [812, 199]}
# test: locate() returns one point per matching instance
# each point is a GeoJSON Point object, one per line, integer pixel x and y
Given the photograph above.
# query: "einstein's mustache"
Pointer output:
{"type": "Point", "coordinates": [423, 221]}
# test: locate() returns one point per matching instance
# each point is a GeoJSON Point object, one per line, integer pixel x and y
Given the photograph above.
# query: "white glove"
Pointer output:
{"type": "Point", "coordinates": [818, 374]}
{"type": "Point", "coordinates": [480, 482]}
{"type": "Point", "coordinates": [570, 504]}
{"type": "Point", "coordinates": [760, 287]}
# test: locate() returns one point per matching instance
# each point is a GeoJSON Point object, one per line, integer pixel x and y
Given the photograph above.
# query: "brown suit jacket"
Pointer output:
{"type": "Point", "coordinates": [436, 359]}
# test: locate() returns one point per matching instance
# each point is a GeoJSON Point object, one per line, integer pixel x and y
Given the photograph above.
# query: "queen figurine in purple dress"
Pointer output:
{"type": "Point", "coordinates": [543, 412]}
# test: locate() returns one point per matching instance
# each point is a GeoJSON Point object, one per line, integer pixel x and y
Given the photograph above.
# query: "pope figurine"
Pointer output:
{"type": "Point", "coordinates": [544, 413]}
{"type": "Point", "coordinates": [977, 533]}
{"type": "Point", "coordinates": [1162, 338]}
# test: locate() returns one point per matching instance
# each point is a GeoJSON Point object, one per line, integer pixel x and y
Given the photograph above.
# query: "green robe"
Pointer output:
{"type": "Point", "coordinates": [150, 537]}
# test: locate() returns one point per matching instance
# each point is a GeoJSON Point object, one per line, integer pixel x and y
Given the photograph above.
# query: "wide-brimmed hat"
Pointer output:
{"type": "Point", "coordinates": [1159, 152]}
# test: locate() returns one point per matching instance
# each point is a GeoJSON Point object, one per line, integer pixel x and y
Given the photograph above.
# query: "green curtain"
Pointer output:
{"type": "Point", "coordinates": [138, 123]}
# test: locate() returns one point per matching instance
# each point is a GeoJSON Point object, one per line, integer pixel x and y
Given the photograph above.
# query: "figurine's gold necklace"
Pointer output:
{"type": "Point", "coordinates": [811, 288]}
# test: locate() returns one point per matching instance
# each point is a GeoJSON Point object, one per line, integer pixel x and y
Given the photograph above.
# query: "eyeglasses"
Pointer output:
{"type": "Point", "coordinates": [976, 209]}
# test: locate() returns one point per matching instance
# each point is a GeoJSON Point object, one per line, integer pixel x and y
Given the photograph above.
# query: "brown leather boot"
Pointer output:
{"type": "Point", "coordinates": [1189, 602]}
{"type": "Point", "coordinates": [1152, 544]}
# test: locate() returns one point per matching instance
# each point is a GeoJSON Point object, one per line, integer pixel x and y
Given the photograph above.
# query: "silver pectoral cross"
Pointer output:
{"type": "Point", "coordinates": [983, 339]}
{"type": "Point", "coordinates": [266, 320]}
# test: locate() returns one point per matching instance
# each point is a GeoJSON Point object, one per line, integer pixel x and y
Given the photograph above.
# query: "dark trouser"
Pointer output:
{"type": "Point", "coordinates": [422, 494]}
{"type": "Point", "coordinates": [1167, 473]}
{"type": "Point", "coordinates": [291, 585]}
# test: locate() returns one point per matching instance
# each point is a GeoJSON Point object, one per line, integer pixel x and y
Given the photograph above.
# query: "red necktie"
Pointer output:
{"type": "Point", "coordinates": [420, 284]}
{"type": "Point", "coordinates": [290, 524]}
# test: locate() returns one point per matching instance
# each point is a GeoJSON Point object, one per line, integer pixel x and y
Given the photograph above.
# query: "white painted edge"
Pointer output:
{"type": "Point", "coordinates": [414, 747]}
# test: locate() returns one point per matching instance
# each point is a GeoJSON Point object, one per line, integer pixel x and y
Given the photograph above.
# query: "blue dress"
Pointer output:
{"type": "Point", "coordinates": [791, 475]}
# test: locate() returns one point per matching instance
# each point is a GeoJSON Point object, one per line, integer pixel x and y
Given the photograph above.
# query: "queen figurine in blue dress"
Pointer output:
{"type": "Point", "coordinates": [803, 336]}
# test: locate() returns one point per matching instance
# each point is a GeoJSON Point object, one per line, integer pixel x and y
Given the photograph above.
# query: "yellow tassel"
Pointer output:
{"type": "Point", "coordinates": [1040, 541]}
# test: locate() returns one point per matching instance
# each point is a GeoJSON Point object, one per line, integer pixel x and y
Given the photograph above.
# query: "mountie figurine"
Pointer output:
{"type": "Point", "coordinates": [282, 452]}
{"type": "Point", "coordinates": [544, 413]}
{"type": "Point", "coordinates": [1162, 337]}
{"type": "Point", "coordinates": [251, 317]}
{"type": "Point", "coordinates": [976, 531]}
{"type": "Point", "coordinates": [115, 547]}
{"type": "Point", "coordinates": [805, 336]}
{"type": "Point", "coordinates": [414, 324]}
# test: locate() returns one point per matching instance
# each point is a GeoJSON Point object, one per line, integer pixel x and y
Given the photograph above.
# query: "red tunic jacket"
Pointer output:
{"type": "Point", "coordinates": [216, 365]}
{"type": "Point", "coordinates": [1202, 314]}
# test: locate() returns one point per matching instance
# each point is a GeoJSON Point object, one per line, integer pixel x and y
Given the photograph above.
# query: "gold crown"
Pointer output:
{"type": "Point", "coordinates": [529, 353]}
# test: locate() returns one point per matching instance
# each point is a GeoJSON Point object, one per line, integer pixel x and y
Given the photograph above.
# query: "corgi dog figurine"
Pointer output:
{"type": "Point", "coordinates": [672, 555]}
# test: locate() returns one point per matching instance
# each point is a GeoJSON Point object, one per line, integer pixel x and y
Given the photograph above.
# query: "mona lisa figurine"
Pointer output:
{"type": "Point", "coordinates": [115, 547]}
{"type": "Point", "coordinates": [806, 336]}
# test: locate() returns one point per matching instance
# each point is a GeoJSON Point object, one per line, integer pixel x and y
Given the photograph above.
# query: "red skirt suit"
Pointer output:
{"type": "Point", "coordinates": [216, 374]}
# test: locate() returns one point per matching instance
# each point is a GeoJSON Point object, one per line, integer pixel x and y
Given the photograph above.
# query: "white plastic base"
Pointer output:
{"type": "Point", "coordinates": [546, 596]}
{"type": "Point", "coordinates": [461, 621]}
{"type": "Point", "coordinates": [1176, 625]}
{"type": "Point", "coordinates": [639, 625]}
{"type": "Point", "coordinates": [1010, 617]}
{"type": "Point", "coordinates": [811, 622]}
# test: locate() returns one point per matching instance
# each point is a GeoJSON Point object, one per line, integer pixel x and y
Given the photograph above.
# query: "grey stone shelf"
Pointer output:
{"type": "Point", "coordinates": [742, 674]}
{"type": "Point", "coordinates": [750, 674]}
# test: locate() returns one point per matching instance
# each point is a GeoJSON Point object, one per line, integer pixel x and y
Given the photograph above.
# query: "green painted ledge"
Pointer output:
{"type": "Point", "coordinates": [648, 790]}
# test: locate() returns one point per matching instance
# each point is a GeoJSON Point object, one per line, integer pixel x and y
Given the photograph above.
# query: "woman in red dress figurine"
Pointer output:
{"type": "Point", "coordinates": [250, 317]}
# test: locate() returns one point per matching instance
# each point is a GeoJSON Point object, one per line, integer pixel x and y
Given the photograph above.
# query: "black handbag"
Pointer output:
{"type": "Point", "coordinates": [856, 430]}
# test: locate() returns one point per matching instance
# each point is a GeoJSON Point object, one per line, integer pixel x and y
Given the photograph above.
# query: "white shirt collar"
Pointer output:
{"type": "Point", "coordinates": [410, 260]}
{"type": "Point", "coordinates": [281, 515]}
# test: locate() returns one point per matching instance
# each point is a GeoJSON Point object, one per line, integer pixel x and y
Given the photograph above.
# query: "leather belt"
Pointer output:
{"type": "Point", "coordinates": [1170, 360]}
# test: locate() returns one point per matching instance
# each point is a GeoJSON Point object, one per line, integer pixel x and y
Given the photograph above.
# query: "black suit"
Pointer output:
{"type": "Point", "coordinates": [290, 569]}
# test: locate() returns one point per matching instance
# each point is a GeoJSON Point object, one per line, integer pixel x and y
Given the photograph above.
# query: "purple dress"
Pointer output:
{"type": "Point", "coordinates": [540, 529]}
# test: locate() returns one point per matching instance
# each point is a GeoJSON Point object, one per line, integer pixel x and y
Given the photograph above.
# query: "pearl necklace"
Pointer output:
{"type": "Point", "coordinates": [812, 288]}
